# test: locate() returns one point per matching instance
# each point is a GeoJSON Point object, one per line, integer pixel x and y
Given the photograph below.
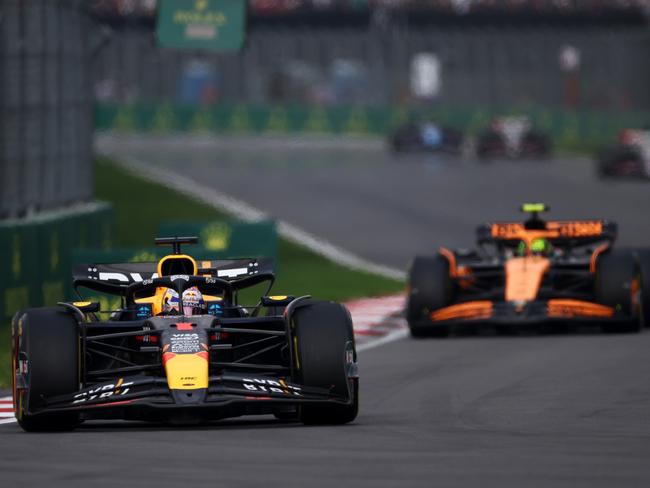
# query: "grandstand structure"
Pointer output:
{"type": "Point", "coordinates": [488, 53]}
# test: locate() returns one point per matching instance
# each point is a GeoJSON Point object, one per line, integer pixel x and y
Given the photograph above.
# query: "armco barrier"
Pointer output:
{"type": "Point", "coordinates": [570, 129]}
{"type": "Point", "coordinates": [36, 254]}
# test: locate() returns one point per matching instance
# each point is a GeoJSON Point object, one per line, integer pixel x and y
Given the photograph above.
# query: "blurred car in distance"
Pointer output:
{"type": "Point", "coordinates": [426, 136]}
{"type": "Point", "coordinates": [629, 158]}
{"type": "Point", "coordinates": [512, 137]}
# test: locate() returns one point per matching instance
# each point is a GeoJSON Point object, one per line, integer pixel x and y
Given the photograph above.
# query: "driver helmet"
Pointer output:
{"type": "Point", "coordinates": [193, 303]}
{"type": "Point", "coordinates": [538, 246]}
{"type": "Point", "coordinates": [541, 246]}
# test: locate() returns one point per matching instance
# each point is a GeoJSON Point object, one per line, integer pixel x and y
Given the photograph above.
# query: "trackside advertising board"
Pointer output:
{"type": "Point", "coordinates": [36, 256]}
{"type": "Point", "coordinates": [226, 239]}
{"type": "Point", "coordinates": [217, 25]}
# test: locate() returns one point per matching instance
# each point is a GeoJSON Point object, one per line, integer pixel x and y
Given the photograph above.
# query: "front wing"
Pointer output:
{"type": "Point", "coordinates": [538, 312]}
{"type": "Point", "coordinates": [149, 398]}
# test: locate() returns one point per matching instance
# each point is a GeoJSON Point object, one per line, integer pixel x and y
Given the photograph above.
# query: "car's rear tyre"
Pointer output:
{"type": "Point", "coordinates": [616, 273]}
{"type": "Point", "coordinates": [326, 352]}
{"type": "Point", "coordinates": [430, 288]}
{"type": "Point", "coordinates": [644, 268]}
{"type": "Point", "coordinates": [537, 144]}
{"type": "Point", "coordinates": [622, 161]}
{"type": "Point", "coordinates": [489, 145]}
{"type": "Point", "coordinates": [47, 344]}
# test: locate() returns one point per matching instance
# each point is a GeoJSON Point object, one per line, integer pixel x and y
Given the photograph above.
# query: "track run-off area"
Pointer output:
{"type": "Point", "coordinates": [510, 411]}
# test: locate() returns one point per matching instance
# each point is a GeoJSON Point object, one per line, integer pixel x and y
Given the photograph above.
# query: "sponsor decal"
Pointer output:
{"type": "Point", "coordinates": [271, 386]}
{"type": "Point", "coordinates": [122, 277]}
{"type": "Point", "coordinates": [103, 391]}
{"type": "Point", "coordinates": [179, 277]}
{"type": "Point", "coordinates": [216, 236]}
{"type": "Point", "coordinates": [232, 273]}
{"type": "Point", "coordinates": [184, 343]}
{"type": "Point", "coordinates": [23, 366]}
{"type": "Point", "coordinates": [214, 308]}
{"type": "Point", "coordinates": [144, 311]}
{"type": "Point", "coordinates": [580, 229]}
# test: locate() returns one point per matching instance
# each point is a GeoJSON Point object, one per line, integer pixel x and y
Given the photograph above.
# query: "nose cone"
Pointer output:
{"type": "Point", "coordinates": [186, 362]}
{"type": "Point", "coordinates": [524, 276]}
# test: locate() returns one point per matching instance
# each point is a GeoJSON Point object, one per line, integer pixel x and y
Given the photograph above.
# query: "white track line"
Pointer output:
{"type": "Point", "coordinates": [248, 213]}
{"type": "Point", "coordinates": [396, 335]}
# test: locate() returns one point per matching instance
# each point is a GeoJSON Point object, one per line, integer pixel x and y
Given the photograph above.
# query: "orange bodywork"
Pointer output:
{"type": "Point", "coordinates": [471, 310]}
{"type": "Point", "coordinates": [451, 257]}
{"type": "Point", "coordinates": [564, 307]}
{"type": "Point", "coordinates": [524, 277]}
{"type": "Point", "coordinates": [463, 273]}
{"type": "Point", "coordinates": [553, 230]}
{"type": "Point", "coordinates": [594, 256]}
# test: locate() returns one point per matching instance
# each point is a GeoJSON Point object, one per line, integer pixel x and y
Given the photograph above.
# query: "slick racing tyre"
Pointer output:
{"type": "Point", "coordinates": [326, 352]}
{"type": "Point", "coordinates": [621, 162]}
{"type": "Point", "coordinates": [490, 145]}
{"type": "Point", "coordinates": [46, 353]}
{"type": "Point", "coordinates": [644, 268]}
{"type": "Point", "coordinates": [536, 144]}
{"type": "Point", "coordinates": [430, 288]}
{"type": "Point", "coordinates": [616, 273]}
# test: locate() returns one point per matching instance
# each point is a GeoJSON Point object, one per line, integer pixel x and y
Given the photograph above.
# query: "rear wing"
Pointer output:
{"type": "Point", "coordinates": [113, 278]}
{"type": "Point", "coordinates": [568, 232]}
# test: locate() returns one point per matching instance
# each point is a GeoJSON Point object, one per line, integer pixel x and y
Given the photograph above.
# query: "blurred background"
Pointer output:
{"type": "Point", "coordinates": [320, 84]}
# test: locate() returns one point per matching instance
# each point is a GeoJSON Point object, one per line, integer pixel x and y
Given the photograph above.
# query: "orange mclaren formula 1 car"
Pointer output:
{"type": "Point", "coordinates": [181, 349]}
{"type": "Point", "coordinates": [532, 273]}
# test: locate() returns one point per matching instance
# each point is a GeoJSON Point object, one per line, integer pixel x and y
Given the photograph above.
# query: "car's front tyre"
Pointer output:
{"type": "Point", "coordinates": [325, 350]}
{"type": "Point", "coordinates": [46, 353]}
{"type": "Point", "coordinates": [617, 273]}
{"type": "Point", "coordinates": [429, 288]}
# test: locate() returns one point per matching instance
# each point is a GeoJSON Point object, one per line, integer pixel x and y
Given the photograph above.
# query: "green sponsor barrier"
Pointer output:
{"type": "Point", "coordinates": [227, 239]}
{"type": "Point", "coordinates": [37, 254]}
{"type": "Point", "coordinates": [221, 239]}
{"type": "Point", "coordinates": [202, 24]}
{"type": "Point", "coordinates": [570, 129]}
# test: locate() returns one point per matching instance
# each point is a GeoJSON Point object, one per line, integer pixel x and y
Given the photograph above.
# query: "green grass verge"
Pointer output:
{"type": "Point", "coordinates": [301, 272]}
{"type": "Point", "coordinates": [138, 214]}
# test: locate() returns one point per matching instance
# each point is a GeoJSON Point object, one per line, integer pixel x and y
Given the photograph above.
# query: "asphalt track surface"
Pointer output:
{"type": "Point", "coordinates": [526, 410]}
{"type": "Point", "coordinates": [387, 209]}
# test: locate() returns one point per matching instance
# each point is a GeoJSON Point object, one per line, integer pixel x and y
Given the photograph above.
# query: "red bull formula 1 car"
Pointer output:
{"type": "Point", "coordinates": [181, 349]}
{"type": "Point", "coordinates": [530, 273]}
